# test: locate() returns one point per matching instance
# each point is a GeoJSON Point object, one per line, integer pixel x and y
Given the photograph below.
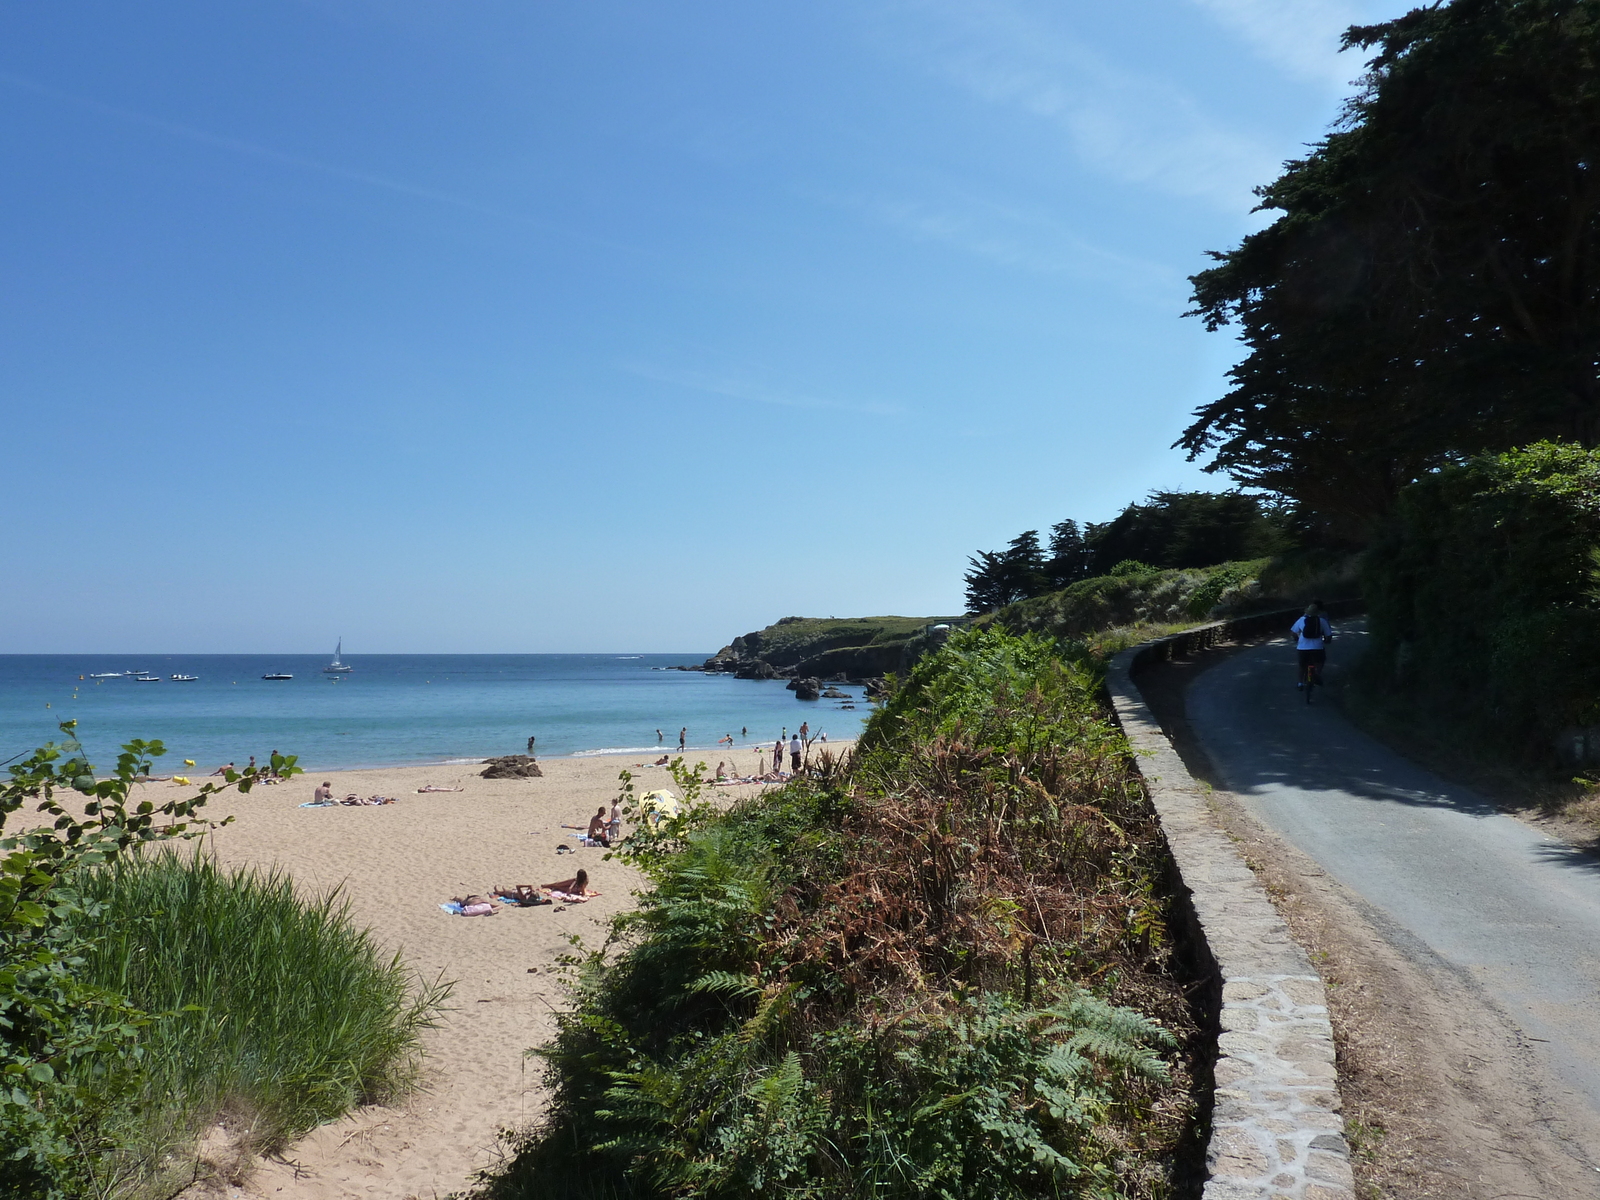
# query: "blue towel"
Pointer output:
{"type": "Point", "coordinates": [452, 908]}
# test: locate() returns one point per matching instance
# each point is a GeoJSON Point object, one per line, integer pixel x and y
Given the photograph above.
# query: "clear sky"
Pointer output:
{"type": "Point", "coordinates": [550, 325]}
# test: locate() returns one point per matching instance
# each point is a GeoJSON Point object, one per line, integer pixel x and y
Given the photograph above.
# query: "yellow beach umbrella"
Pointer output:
{"type": "Point", "coordinates": [659, 804]}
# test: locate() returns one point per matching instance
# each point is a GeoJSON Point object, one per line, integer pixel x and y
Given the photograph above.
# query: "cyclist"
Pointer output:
{"type": "Point", "coordinates": [1312, 635]}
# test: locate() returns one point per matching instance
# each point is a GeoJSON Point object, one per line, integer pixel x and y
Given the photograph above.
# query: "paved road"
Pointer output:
{"type": "Point", "coordinates": [1514, 911]}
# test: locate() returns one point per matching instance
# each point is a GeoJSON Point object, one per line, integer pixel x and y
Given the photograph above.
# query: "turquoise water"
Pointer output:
{"type": "Point", "coordinates": [397, 709]}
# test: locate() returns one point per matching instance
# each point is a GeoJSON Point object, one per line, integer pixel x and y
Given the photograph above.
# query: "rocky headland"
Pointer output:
{"type": "Point", "coordinates": [813, 652]}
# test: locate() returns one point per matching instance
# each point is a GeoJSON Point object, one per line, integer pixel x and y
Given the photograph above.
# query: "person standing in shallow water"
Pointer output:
{"type": "Point", "coordinates": [682, 734]}
{"type": "Point", "coordinates": [531, 740]}
{"type": "Point", "coordinates": [658, 737]}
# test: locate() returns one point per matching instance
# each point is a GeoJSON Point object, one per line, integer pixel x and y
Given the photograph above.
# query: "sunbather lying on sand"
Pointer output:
{"type": "Point", "coordinates": [475, 906]}
{"type": "Point", "coordinates": [576, 888]}
{"type": "Point", "coordinates": [523, 893]}
{"type": "Point", "coordinates": [433, 787]}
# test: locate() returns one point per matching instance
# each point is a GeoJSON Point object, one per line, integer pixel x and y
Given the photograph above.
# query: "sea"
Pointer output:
{"type": "Point", "coordinates": [399, 709]}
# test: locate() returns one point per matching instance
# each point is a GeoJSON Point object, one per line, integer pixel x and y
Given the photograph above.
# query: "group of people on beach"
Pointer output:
{"type": "Point", "coordinates": [799, 745]}
{"type": "Point", "coordinates": [525, 895]}
{"type": "Point", "coordinates": [269, 776]}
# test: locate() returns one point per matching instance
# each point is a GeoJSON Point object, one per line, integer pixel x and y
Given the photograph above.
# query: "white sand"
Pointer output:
{"type": "Point", "coordinates": [396, 864]}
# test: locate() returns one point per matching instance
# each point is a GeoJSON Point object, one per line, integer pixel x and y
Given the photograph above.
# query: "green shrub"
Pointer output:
{"type": "Point", "coordinates": [1137, 599]}
{"type": "Point", "coordinates": [1480, 597]}
{"type": "Point", "coordinates": [909, 977]}
{"type": "Point", "coordinates": [274, 1013]}
{"type": "Point", "coordinates": [68, 1048]}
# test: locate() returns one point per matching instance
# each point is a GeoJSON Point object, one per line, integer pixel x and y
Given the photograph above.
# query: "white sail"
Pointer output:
{"type": "Point", "coordinates": [336, 667]}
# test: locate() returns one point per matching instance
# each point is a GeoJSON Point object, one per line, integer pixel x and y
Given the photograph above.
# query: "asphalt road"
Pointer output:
{"type": "Point", "coordinates": [1504, 906]}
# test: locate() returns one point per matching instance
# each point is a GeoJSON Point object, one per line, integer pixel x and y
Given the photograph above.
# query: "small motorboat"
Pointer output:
{"type": "Point", "coordinates": [279, 676]}
{"type": "Point", "coordinates": [186, 679]}
{"type": "Point", "coordinates": [147, 678]}
{"type": "Point", "coordinates": [107, 675]}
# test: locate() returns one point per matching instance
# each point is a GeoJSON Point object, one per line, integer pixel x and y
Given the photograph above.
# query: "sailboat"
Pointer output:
{"type": "Point", "coordinates": [336, 667]}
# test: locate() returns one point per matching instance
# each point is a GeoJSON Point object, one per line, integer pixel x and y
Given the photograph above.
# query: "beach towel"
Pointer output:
{"type": "Point", "coordinates": [450, 907]}
{"type": "Point", "coordinates": [320, 804]}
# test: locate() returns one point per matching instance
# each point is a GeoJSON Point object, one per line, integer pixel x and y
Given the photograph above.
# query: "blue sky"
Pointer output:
{"type": "Point", "coordinates": [537, 325]}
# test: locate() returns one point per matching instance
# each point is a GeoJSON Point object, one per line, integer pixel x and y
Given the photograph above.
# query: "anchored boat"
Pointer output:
{"type": "Point", "coordinates": [336, 667]}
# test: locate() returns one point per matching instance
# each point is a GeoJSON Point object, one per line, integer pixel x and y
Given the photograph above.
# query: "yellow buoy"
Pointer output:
{"type": "Point", "coordinates": [188, 762]}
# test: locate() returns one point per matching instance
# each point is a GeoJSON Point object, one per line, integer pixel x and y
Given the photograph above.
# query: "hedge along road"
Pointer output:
{"type": "Point", "coordinates": [1513, 911]}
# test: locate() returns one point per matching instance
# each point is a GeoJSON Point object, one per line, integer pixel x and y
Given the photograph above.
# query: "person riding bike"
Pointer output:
{"type": "Point", "coordinates": [1312, 635]}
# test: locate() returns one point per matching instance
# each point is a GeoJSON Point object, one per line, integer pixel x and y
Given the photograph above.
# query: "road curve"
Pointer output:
{"type": "Point", "coordinates": [1505, 907]}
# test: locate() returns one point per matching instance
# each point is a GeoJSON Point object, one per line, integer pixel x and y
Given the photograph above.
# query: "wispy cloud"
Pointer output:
{"type": "Point", "coordinates": [1023, 239]}
{"type": "Point", "coordinates": [738, 386]}
{"type": "Point", "coordinates": [1299, 37]}
{"type": "Point", "coordinates": [1137, 128]}
{"type": "Point", "coordinates": [251, 150]}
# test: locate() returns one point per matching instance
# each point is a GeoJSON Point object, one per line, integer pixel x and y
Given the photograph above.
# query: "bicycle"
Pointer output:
{"type": "Point", "coordinates": [1311, 677]}
{"type": "Point", "coordinates": [1310, 671]}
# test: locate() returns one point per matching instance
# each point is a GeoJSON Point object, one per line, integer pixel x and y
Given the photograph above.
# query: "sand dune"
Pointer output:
{"type": "Point", "coordinates": [396, 864]}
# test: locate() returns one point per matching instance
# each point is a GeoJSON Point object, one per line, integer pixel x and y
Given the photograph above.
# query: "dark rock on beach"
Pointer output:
{"type": "Point", "coordinates": [756, 669]}
{"type": "Point", "coordinates": [511, 766]}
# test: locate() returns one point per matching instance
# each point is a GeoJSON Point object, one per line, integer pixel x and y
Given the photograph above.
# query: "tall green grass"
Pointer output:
{"type": "Point", "coordinates": [271, 1013]}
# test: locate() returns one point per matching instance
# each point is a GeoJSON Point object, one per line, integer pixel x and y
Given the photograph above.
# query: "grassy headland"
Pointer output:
{"type": "Point", "coordinates": [826, 647]}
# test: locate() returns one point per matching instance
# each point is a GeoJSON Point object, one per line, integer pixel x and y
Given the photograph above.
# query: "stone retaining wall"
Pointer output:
{"type": "Point", "coordinates": [1276, 1133]}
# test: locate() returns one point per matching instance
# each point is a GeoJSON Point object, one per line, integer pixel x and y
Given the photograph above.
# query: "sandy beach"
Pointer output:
{"type": "Point", "coordinates": [396, 864]}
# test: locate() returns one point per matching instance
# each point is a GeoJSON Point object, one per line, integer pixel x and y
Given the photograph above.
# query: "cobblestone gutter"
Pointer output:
{"type": "Point", "coordinates": [1276, 1133]}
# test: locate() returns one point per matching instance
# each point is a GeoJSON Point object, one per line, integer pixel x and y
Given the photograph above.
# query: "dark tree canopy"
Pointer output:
{"type": "Point", "coordinates": [1015, 573]}
{"type": "Point", "coordinates": [1070, 559]}
{"type": "Point", "coordinates": [1170, 529]}
{"type": "Point", "coordinates": [1431, 288]}
{"type": "Point", "coordinates": [1185, 529]}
